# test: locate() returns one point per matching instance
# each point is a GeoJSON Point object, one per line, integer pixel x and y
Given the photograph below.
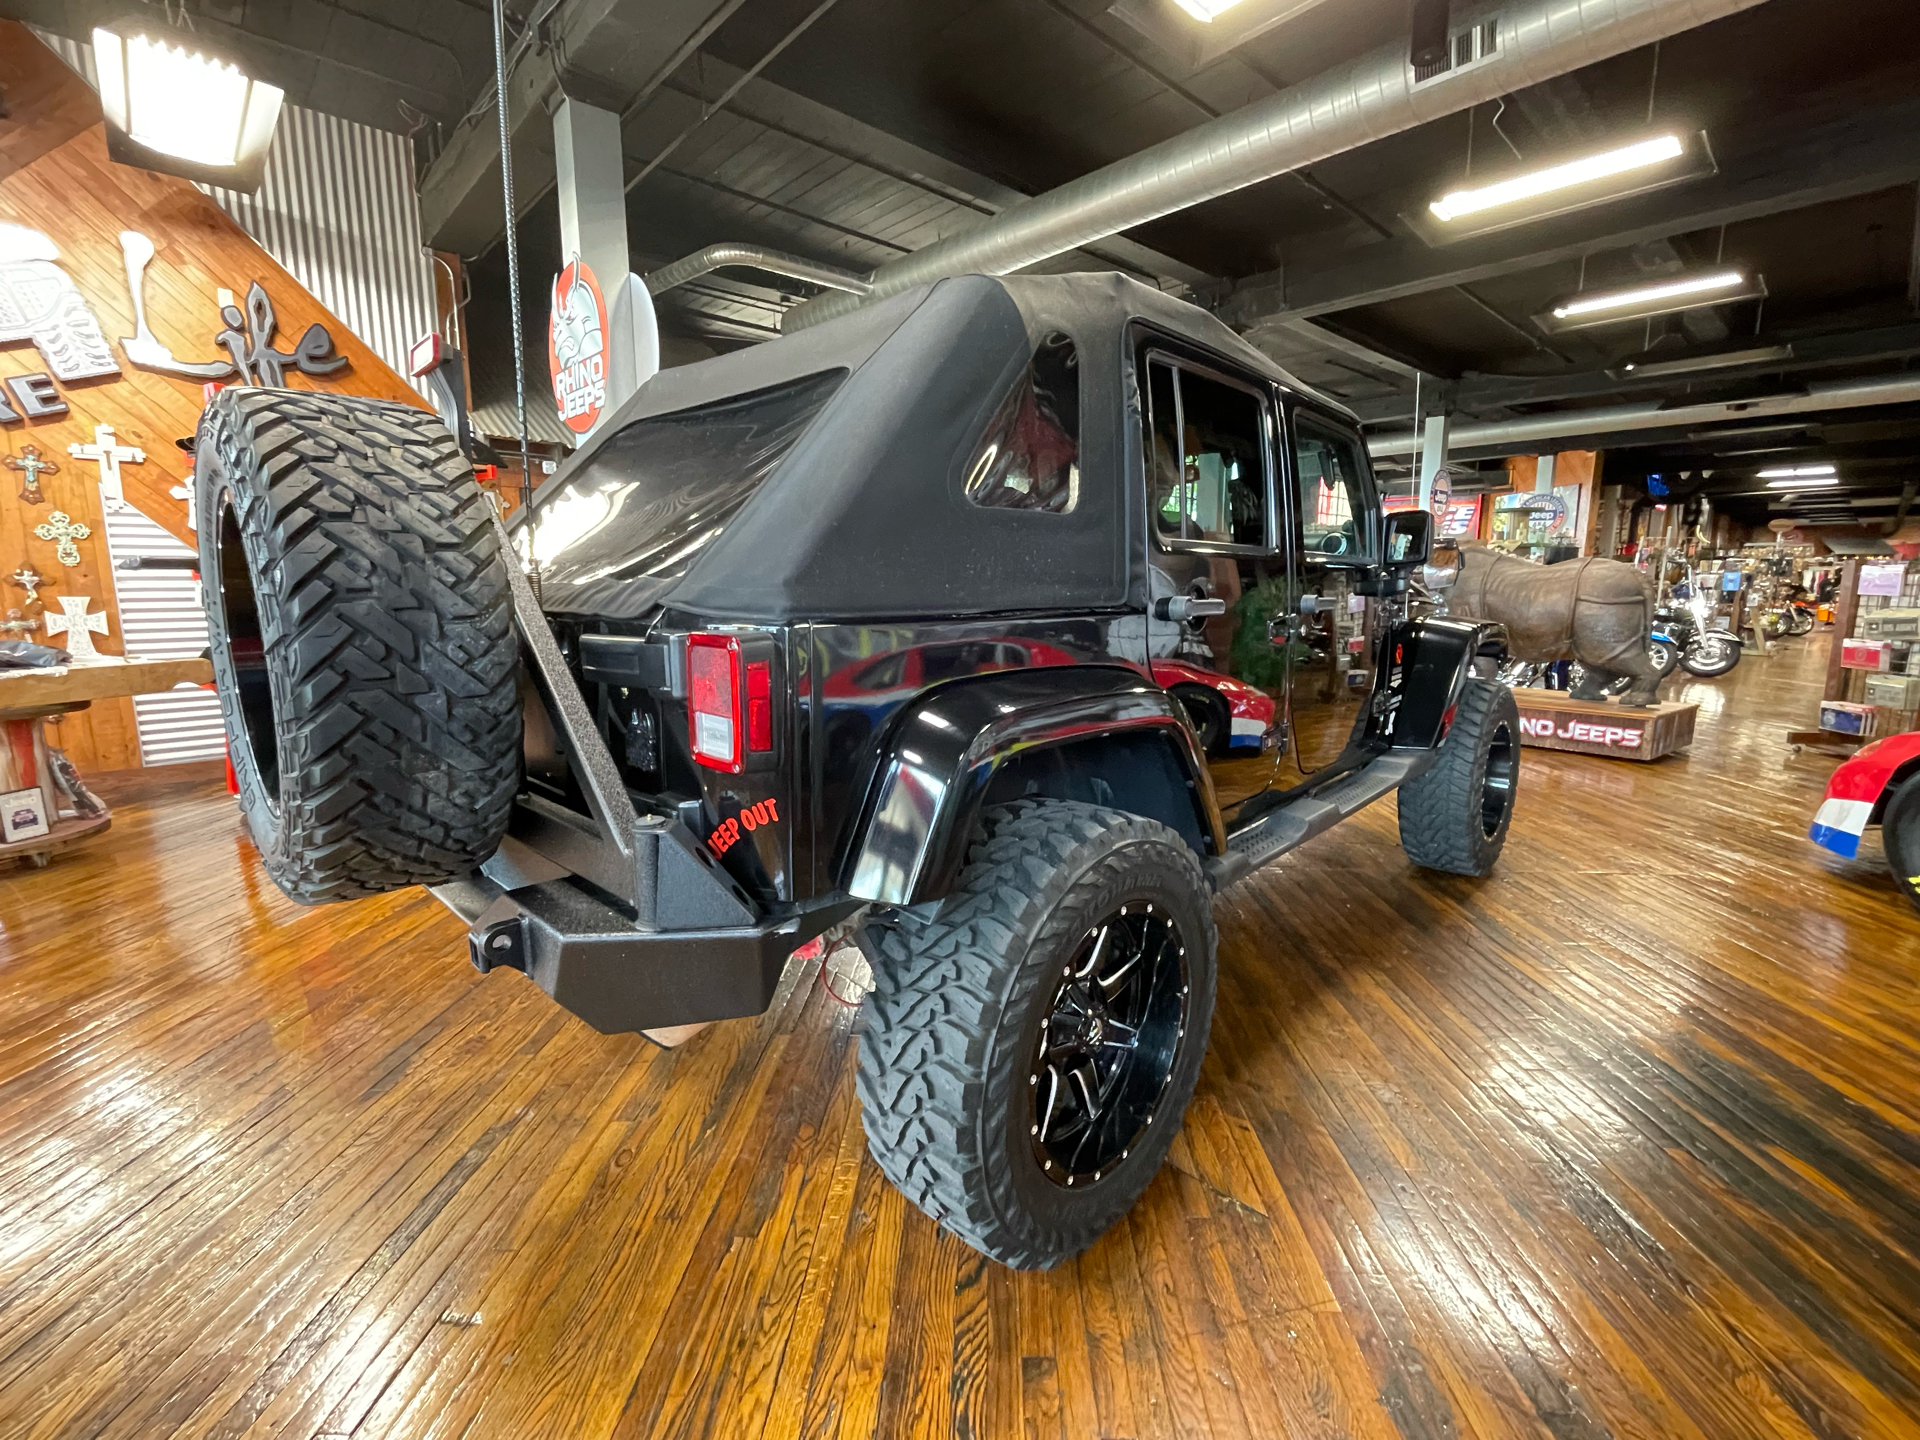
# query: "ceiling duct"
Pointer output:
{"type": "Point", "coordinates": [1899, 389]}
{"type": "Point", "coordinates": [1369, 99]}
{"type": "Point", "coordinates": [753, 257]}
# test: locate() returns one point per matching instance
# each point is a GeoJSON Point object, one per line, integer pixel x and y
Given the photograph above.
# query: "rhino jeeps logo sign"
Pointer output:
{"type": "Point", "coordinates": [577, 347]}
{"type": "Point", "coordinates": [38, 302]}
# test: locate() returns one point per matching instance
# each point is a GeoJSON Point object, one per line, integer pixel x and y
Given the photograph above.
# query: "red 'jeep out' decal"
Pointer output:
{"type": "Point", "coordinates": [760, 813]}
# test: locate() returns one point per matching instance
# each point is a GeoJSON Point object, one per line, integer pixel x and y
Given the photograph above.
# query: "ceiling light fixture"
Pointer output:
{"type": "Point", "coordinates": [1585, 170]}
{"type": "Point", "coordinates": [1632, 166]}
{"type": "Point", "coordinates": [1207, 10]}
{"type": "Point", "coordinates": [1790, 472]}
{"type": "Point", "coordinates": [1690, 364]}
{"type": "Point", "coordinates": [1801, 484]}
{"type": "Point", "coordinates": [175, 104]}
{"type": "Point", "coordinates": [1637, 302]}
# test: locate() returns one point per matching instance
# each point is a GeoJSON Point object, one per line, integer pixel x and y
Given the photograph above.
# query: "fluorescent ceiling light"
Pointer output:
{"type": "Point", "coordinates": [175, 105]}
{"type": "Point", "coordinates": [1642, 295]}
{"type": "Point", "coordinates": [1789, 472]}
{"type": "Point", "coordinates": [1207, 10]}
{"type": "Point", "coordinates": [1662, 297]}
{"type": "Point", "coordinates": [1459, 203]}
{"type": "Point", "coordinates": [1800, 484]}
{"type": "Point", "coordinates": [1689, 364]}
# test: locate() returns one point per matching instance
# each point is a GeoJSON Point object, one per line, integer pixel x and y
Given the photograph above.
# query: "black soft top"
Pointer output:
{"type": "Point", "coordinates": [819, 476]}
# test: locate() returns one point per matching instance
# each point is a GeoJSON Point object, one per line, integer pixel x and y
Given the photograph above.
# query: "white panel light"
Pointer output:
{"type": "Point", "coordinates": [1800, 484]}
{"type": "Point", "coordinates": [1459, 203]}
{"type": "Point", "coordinates": [173, 105]}
{"type": "Point", "coordinates": [1207, 10]}
{"type": "Point", "coordinates": [1792, 472]}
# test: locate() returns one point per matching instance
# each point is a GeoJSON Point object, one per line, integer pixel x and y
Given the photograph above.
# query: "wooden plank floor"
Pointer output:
{"type": "Point", "coordinates": [1621, 1142]}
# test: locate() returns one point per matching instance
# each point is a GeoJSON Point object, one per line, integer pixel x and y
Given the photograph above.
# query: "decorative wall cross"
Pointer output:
{"type": "Point", "coordinates": [76, 622]}
{"type": "Point", "coordinates": [28, 579]}
{"type": "Point", "coordinates": [110, 455]}
{"type": "Point", "coordinates": [64, 530]}
{"type": "Point", "coordinates": [252, 347]}
{"type": "Point", "coordinates": [29, 463]}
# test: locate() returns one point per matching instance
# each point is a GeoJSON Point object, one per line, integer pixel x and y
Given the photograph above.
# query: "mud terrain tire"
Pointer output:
{"type": "Point", "coordinates": [1455, 816]}
{"type": "Point", "coordinates": [361, 638]}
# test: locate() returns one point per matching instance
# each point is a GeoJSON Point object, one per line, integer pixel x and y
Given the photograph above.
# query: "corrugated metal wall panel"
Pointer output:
{"type": "Point", "coordinates": [161, 618]}
{"type": "Point", "coordinates": [338, 209]}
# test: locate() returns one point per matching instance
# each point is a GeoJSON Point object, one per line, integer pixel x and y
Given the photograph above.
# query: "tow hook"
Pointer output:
{"type": "Point", "coordinates": [502, 945]}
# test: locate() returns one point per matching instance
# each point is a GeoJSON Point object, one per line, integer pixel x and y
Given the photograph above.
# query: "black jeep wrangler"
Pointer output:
{"type": "Point", "coordinates": [1003, 620]}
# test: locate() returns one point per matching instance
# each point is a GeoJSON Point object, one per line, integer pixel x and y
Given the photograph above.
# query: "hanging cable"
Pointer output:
{"type": "Point", "coordinates": [513, 271]}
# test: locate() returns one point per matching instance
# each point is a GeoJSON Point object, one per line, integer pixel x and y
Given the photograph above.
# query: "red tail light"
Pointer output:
{"type": "Point", "coordinates": [759, 705]}
{"type": "Point", "coordinates": [714, 696]}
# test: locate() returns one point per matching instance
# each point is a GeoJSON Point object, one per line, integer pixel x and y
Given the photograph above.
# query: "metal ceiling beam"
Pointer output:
{"type": "Point", "coordinates": [612, 53]}
{"type": "Point", "coordinates": [1609, 420]}
{"type": "Point", "coordinates": [1479, 394]}
{"type": "Point", "coordinates": [1836, 161]}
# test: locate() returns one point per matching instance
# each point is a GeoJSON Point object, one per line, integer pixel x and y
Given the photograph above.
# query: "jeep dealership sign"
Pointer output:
{"type": "Point", "coordinates": [577, 347]}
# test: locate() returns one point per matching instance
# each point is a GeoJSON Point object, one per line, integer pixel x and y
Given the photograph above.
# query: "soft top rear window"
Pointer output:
{"type": "Point", "coordinates": [661, 490]}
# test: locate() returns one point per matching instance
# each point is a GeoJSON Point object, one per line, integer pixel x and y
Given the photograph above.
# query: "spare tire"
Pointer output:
{"type": "Point", "coordinates": [362, 640]}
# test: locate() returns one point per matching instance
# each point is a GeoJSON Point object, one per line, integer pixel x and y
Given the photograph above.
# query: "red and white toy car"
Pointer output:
{"type": "Point", "coordinates": [1879, 786]}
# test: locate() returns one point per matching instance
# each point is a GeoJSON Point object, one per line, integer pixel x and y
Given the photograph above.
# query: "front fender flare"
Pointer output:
{"type": "Point", "coordinates": [1425, 666]}
{"type": "Point", "coordinates": [940, 754]}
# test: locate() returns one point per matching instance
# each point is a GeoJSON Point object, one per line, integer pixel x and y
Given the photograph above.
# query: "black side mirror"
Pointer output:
{"type": "Point", "coordinates": [1408, 539]}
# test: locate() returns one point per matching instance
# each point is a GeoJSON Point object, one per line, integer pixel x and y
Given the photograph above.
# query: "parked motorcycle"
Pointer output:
{"type": "Point", "coordinates": [1798, 617]}
{"type": "Point", "coordinates": [1702, 648]}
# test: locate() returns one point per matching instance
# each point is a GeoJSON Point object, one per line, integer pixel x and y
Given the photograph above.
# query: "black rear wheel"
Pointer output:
{"type": "Point", "coordinates": [1900, 838]}
{"type": "Point", "coordinates": [1031, 1048]}
{"type": "Point", "coordinates": [361, 637]}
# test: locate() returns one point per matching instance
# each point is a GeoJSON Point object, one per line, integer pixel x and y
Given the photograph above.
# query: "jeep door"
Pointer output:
{"type": "Point", "coordinates": [1333, 545]}
{"type": "Point", "coordinates": [1210, 440]}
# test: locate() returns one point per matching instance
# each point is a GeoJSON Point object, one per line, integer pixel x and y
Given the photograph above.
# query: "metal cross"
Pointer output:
{"type": "Point", "coordinates": [61, 527]}
{"type": "Point", "coordinates": [110, 455]}
{"type": "Point", "coordinates": [29, 580]}
{"type": "Point", "coordinates": [28, 461]}
{"type": "Point", "coordinates": [76, 622]}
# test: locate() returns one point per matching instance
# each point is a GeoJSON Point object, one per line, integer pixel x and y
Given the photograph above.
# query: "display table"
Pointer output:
{"type": "Point", "coordinates": [40, 781]}
{"type": "Point", "coordinates": [1552, 720]}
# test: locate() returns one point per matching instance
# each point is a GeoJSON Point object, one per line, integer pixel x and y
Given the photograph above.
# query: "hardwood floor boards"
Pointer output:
{"type": "Point", "coordinates": [1621, 1143]}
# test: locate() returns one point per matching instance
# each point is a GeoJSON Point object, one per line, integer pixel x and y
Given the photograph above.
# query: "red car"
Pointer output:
{"type": "Point", "coordinates": [1879, 786]}
{"type": "Point", "coordinates": [1231, 716]}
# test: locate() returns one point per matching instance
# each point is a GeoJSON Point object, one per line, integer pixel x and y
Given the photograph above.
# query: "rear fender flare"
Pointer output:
{"type": "Point", "coordinates": [940, 755]}
{"type": "Point", "coordinates": [1424, 668]}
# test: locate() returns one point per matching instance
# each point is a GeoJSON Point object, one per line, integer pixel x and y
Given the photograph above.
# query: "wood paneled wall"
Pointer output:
{"type": "Point", "coordinates": [56, 178]}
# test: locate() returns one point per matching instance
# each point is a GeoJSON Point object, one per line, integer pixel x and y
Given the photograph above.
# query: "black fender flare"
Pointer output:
{"type": "Point", "coordinates": [1424, 667]}
{"type": "Point", "coordinates": [939, 756]}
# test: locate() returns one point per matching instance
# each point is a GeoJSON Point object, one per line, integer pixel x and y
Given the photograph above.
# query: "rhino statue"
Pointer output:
{"type": "Point", "coordinates": [1591, 610]}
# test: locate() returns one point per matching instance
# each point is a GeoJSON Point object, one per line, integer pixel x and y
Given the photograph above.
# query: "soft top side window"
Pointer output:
{"type": "Point", "coordinates": [1336, 513]}
{"type": "Point", "coordinates": [1206, 456]}
{"type": "Point", "coordinates": [1029, 459]}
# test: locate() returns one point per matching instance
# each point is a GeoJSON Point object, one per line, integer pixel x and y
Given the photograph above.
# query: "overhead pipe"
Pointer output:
{"type": "Point", "coordinates": [1340, 110]}
{"type": "Point", "coordinates": [1898, 389]}
{"type": "Point", "coordinates": [774, 262]}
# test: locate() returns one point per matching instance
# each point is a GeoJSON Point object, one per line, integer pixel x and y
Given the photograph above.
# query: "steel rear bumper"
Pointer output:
{"type": "Point", "coordinates": [525, 913]}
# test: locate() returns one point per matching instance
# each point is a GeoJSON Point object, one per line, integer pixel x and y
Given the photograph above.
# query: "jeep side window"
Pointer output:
{"type": "Point", "coordinates": [1333, 503]}
{"type": "Point", "coordinates": [1217, 491]}
{"type": "Point", "coordinates": [1029, 458]}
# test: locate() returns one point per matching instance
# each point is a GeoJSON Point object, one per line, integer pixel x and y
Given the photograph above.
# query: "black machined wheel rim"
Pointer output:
{"type": "Point", "coordinates": [1496, 791]}
{"type": "Point", "coordinates": [246, 652]}
{"type": "Point", "coordinates": [1107, 1044]}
